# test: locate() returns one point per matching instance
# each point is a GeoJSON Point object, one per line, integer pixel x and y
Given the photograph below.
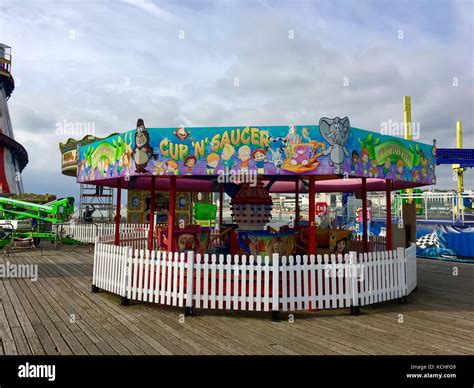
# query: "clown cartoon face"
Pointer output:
{"type": "Point", "coordinates": [186, 242]}
{"type": "Point", "coordinates": [181, 133]}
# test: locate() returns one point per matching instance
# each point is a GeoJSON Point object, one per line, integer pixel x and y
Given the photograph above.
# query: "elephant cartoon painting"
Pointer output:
{"type": "Point", "coordinates": [335, 132]}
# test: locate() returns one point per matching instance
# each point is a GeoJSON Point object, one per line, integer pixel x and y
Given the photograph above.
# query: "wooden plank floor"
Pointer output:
{"type": "Point", "coordinates": [59, 315]}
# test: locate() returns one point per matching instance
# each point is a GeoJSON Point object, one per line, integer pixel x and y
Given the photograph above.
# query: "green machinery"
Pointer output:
{"type": "Point", "coordinates": [30, 220]}
{"type": "Point", "coordinates": [204, 214]}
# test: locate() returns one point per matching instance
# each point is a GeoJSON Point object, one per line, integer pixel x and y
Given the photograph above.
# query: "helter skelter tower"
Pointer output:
{"type": "Point", "coordinates": [13, 156]}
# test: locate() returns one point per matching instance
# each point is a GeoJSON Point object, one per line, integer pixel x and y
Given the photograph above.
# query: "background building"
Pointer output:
{"type": "Point", "coordinates": [13, 156]}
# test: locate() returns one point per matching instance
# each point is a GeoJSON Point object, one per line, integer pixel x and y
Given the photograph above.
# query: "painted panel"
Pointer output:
{"type": "Point", "coordinates": [332, 147]}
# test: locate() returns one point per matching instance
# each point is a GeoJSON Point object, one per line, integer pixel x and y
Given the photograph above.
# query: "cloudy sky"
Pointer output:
{"type": "Point", "coordinates": [206, 63]}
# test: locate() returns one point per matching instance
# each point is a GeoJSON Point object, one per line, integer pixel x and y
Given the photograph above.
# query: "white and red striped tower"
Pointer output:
{"type": "Point", "coordinates": [13, 156]}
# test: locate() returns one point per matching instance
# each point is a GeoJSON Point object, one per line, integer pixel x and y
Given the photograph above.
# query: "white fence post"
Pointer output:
{"type": "Point", "coordinates": [126, 257]}
{"type": "Point", "coordinates": [355, 309]}
{"type": "Point", "coordinates": [95, 264]}
{"type": "Point", "coordinates": [188, 310]}
{"type": "Point", "coordinates": [402, 266]}
{"type": "Point", "coordinates": [410, 268]}
{"type": "Point", "coordinates": [275, 287]}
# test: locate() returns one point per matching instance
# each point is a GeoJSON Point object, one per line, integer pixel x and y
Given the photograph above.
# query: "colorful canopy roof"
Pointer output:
{"type": "Point", "coordinates": [206, 156]}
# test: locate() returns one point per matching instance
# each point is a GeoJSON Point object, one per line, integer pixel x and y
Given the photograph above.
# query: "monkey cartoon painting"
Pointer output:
{"type": "Point", "coordinates": [182, 133]}
{"type": "Point", "coordinates": [142, 151]}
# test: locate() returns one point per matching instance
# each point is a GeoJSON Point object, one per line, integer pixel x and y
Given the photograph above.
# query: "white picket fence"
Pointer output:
{"type": "Point", "coordinates": [410, 254]}
{"type": "Point", "coordinates": [135, 240]}
{"type": "Point", "coordinates": [251, 283]}
{"type": "Point", "coordinates": [110, 266]}
{"type": "Point", "coordinates": [87, 232]}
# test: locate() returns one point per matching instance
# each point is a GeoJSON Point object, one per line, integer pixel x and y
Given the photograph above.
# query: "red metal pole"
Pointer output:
{"type": "Point", "coordinates": [388, 207]}
{"type": "Point", "coordinates": [117, 212]}
{"type": "Point", "coordinates": [152, 214]}
{"type": "Point", "coordinates": [312, 218]}
{"type": "Point", "coordinates": [221, 202]}
{"type": "Point", "coordinates": [171, 213]}
{"type": "Point", "coordinates": [297, 200]}
{"type": "Point", "coordinates": [312, 228]}
{"type": "Point", "coordinates": [364, 215]}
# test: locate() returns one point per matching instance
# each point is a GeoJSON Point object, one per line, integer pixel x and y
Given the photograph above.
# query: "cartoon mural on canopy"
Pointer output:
{"type": "Point", "coordinates": [335, 132]}
{"type": "Point", "coordinates": [294, 154]}
{"type": "Point", "coordinates": [332, 148]}
{"type": "Point", "coordinates": [393, 158]}
{"type": "Point", "coordinates": [276, 159]}
{"type": "Point", "coordinates": [107, 158]}
{"type": "Point", "coordinates": [142, 151]}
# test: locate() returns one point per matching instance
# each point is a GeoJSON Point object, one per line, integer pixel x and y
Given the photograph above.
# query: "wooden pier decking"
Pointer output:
{"type": "Point", "coordinates": [58, 314]}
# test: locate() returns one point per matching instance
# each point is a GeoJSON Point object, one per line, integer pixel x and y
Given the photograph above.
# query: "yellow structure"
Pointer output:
{"type": "Point", "coordinates": [407, 117]}
{"type": "Point", "coordinates": [458, 172]}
